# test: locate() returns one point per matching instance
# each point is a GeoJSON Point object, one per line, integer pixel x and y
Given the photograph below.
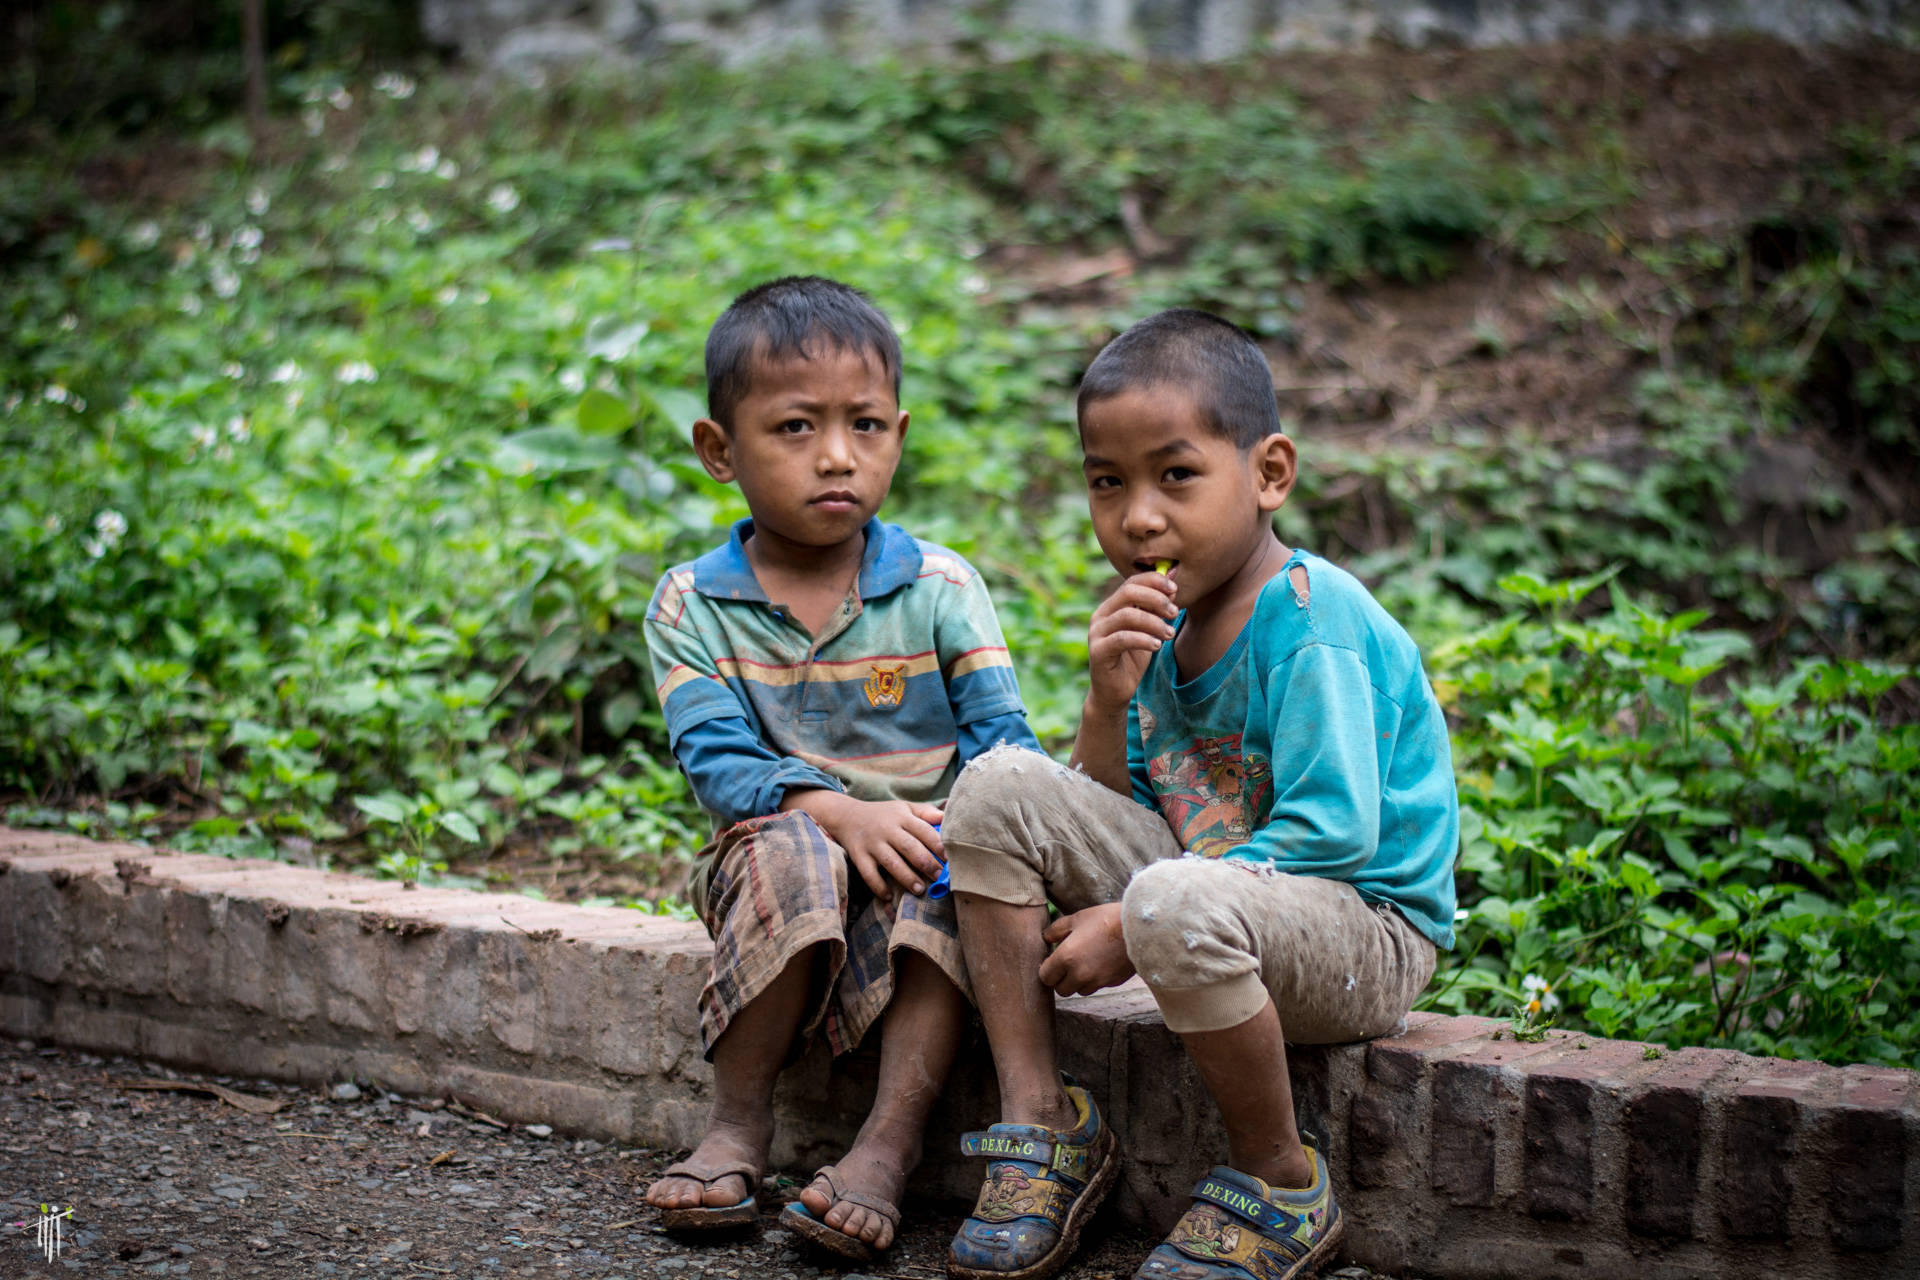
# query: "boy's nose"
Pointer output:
{"type": "Point", "coordinates": [1143, 519]}
{"type": "Point", "coordinates": [836, 451]}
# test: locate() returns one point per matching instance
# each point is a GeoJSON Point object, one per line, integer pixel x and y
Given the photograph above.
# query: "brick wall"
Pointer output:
{"type": "Point", "coordinates": [1457, 1151]}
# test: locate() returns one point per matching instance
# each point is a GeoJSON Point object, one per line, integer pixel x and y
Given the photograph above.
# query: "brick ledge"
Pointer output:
{"type": "Point", "coordinates": [1456, 1153]}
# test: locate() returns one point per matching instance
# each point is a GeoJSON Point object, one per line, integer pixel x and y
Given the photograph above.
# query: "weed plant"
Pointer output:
{"type": "Point", "coordinates": [335, 486]}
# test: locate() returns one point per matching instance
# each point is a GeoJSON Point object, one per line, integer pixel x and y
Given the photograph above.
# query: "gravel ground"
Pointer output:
{"type": "Point", "coordinates": [166, 1182]}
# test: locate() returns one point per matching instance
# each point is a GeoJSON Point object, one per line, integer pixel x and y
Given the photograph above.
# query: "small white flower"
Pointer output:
{"type": "Point", "coordinates": [233, 369]}
{"type": "Point", "coordinates": [54, 393]}
{"type": "Point", "coordinates": [238, 429]}
{"type": "Point", "coordinates": [357, 371]}
{"type": "Point", "coordinates": [381, 181]}
{"type": "Point", "coordinates": [205, 437]}
{"type": "Point", "coordinates": [573, 381]}
{"type": "Point", "coordinates": [223, 281]}
{"type": "Point", "coordinates": [111, 525]}
{"type": "Point", "coordinates": [69, 322]}
{"type": "Point", "coordinates": [313, 122]}
{"type": "Point", "coordinates": [974, 283]}
{"type": "Point", "coordinates": [190, 305]}
{"type": "Point", "coordinates": [419, 221]}
{"type": "Point", "coordinates": [446, 170]}
{"type": "Point", "coordinates": [503, 199]}
{"type": "Point", "coordinates": [258, 202]}
{"type": "Point", "coordinates": [285, 371]}
{"type": "Point", "coordinates": [203, 233]}
{"type": "Point", "coordinates": [425, 158]}
{"type": "Point", "coordinates": [333, 164]}
{"type": "Point", "coordinates": [1540, 996]}
{"type": "Point", "coordinates": [394, 85]}
{"type": "Point", "coordinates": [53, 523]}
{"type": "Point", "coordinates": [248, 237]}
{"type": "Point", "coordinates": [339, 99]}
{"type": "Point", "coordinates": [144, 234]}
{"type": "Point", "coordinates": [448, 295]}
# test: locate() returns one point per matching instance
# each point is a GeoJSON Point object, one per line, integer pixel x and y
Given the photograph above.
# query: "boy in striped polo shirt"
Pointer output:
{"type": "Point", "coordinates": [825, 677]}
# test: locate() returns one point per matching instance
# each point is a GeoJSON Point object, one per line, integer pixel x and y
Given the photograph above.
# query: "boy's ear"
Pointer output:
{"type": "Point", "coordinates": [901, 430]}
{"type": "Point", "coordinates": [714, 447]}
{"type": "Point", "coordinates": [1275, 468]}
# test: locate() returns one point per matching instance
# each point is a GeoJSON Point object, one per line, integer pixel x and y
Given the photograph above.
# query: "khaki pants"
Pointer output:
{"type": "Point", "coordinates": [1214, 939]}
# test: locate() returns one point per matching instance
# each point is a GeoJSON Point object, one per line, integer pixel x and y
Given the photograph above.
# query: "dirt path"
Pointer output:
{"type": "Point", "coordinates": [181, 1184]}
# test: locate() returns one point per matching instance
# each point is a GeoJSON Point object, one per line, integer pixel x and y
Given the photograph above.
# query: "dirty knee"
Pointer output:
{"type": "Point", "coordinates": [998, 797]}
{"type": "Point", "coordinates": [1179, 928]}
{"type": "Point", "coordinates": [995, 790]}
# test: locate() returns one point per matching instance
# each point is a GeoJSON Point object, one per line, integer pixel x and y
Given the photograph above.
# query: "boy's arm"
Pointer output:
{"type": "Point", "coordinates": [982, 690]}
{"type": "Point", "coordinates": [1126, 631]}
{"type": "Point", "coordinates": [732, 771]}
{"type": "Point", "coordinates": [735, 776]}
{"type": "Point", "coordinates": [1325, 816]}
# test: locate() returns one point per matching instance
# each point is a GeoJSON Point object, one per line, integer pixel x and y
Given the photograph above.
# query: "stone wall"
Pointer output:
{"type": "Point", "coordinates": [527, 34]}
{"type": "Point", "coordinates": [1456, 1151]}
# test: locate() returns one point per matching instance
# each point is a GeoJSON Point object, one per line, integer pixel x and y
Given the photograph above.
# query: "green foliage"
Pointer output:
{"type": "Point", "coordinates": [1690, 850]}
{"type": "Point", "coordinates": [336, 489]}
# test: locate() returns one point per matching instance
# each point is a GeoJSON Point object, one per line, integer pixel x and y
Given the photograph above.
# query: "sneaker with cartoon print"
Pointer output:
{"type": "Point", "coordinates": [1240, 1227]}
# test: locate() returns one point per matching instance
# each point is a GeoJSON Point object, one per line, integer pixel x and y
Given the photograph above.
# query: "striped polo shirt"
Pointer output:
{"type": "Point", "coordinates": [887, 703]}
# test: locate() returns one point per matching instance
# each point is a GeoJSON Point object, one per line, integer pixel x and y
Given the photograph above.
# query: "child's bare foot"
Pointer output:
{"type": "Point", "coordinates": [727, 1142]}
{"type": "Point", "coordinates": [875, 1169]}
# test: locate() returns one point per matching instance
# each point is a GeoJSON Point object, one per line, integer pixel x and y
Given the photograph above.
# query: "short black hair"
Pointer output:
{"type": "Point", "coordinates": [788, 319]}
{"type": "Point", "coordinates": [1210, 358]}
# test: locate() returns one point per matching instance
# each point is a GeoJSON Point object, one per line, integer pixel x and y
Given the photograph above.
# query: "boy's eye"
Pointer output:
{"type": "Point", "coordinates": [1103, 482]}
{"type": "Point", "coordinates": [869, 424]}
{"type": "Point", "coordinates": [794, 426]}
{"type": "Point", "coordinates": [1178, 474]}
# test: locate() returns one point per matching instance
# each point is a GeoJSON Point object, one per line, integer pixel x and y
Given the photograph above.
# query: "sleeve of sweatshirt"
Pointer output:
{"type": "Point", "coordinates": [1325, 818]}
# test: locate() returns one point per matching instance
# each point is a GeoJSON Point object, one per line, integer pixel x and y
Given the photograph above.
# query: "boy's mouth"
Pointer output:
{"type": "Point", "coordinates": [1155, 564]}
{"type": "Point", "coordinates": [836, 500]}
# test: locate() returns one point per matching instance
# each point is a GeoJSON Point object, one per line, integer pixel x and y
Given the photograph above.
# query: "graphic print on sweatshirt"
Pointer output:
{"type": "Point", "coordinates": [1213, 796]}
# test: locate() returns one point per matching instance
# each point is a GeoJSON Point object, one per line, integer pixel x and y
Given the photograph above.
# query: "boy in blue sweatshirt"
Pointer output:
{"type": "Point", "coordinates": [1261, 824]}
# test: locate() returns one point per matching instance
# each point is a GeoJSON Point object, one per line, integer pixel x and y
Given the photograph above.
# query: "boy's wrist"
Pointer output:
{"type": "Point", "coordinates": [823, 804]}
{"type": "Point", "coordinates": [1097, 708]}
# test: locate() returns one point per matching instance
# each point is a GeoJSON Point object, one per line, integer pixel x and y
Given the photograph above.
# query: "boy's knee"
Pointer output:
{"type": "Point", "coordinates": [993, 792]}
{"type": "Point", "coordinates": [1178, 923]}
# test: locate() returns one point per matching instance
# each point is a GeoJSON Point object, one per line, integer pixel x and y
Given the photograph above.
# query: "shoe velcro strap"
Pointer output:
{"type": "Point", "coordinates": [1071, 1159]}
{"type": "Point", "coordinates": [1269, 1218]}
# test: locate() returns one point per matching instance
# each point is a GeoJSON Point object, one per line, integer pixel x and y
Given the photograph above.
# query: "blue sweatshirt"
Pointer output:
{"type": "Point", "coordinates": [1314, 745]}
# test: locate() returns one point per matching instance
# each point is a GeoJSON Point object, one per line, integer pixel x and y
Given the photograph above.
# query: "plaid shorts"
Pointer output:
{"type": "Point", "coordinates": [769, 888]}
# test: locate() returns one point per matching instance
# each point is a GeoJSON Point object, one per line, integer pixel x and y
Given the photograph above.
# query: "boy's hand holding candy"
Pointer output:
{"type": "Point", "coordinates": [1127, 629]}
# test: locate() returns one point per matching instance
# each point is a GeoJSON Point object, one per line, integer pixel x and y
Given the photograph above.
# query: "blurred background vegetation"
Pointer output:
{"type": "Point", "coordinates": [338, 459]}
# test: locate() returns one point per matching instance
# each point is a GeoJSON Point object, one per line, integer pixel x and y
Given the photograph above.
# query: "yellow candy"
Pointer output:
{"type": "Point", "coordinates": [1161, 566]}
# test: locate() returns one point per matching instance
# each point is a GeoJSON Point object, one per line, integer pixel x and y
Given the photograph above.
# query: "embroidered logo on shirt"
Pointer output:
{"type": "Point", "coordinates": [885, 685]}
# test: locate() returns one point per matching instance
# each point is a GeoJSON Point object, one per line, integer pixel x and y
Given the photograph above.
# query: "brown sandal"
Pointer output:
{"type": "Point", "coordinates": [795, 1218]}
{"type": "Point", "coordinates": [712, 1217]}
